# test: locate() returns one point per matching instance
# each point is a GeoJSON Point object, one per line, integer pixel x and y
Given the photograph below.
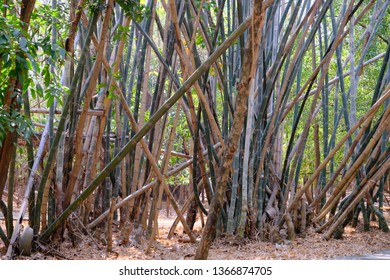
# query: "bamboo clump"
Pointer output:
{"type": "Point", "coordinates": [267, 112]}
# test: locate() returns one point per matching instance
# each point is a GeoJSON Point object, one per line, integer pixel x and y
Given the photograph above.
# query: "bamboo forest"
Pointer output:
{"type": "Point", "coordinates": [191, 125]}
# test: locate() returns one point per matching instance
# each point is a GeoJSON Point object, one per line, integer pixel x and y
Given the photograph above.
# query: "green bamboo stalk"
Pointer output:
{"type": "Point", "coordinates": [61, 124]}
{"type": "Point", "coordinates": [133, 168]}
{"type": "Point", "coordinates": [362, 120]}
{"type": "Point", "coordinates": [146, 128]}
{"type": "Point", "coordinates": [344, 108]}
{"type": "Point", "coordinates": [249, 66]}
{"type": "Point", "coordinates": [156, 203]}
{"type": "Point", "coordinates": [325, 110]}
{"type": "Point", "coordinates": [346, 202]}
{"type": "Point", "coordinates": [4, 237]}
{"type": "Point", "coordinates": [382, 221]}
{"type": "Point", "coordinates": [159, 56]}
{"type": "Point", "coordinates": [368, 184]}
{"type": "Point", "coordinates": [88, 88]}
{"type": "Point", "coordinates": [348, 177]}
{"type": "Point", "coordinates": [195, 163]}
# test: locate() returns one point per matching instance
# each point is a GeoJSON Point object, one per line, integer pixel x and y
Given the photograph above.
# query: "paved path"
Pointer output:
{"type": "Point", "coordinates": [383, 255]}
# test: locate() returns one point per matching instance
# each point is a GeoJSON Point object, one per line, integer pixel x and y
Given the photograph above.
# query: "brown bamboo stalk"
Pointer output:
{"type": "Point", "coordinates": [184, 209]}
{"type": "Point", "coordinates": [338, 39]}
{"type": "Point", "coordinates": [341, 166]}
{"type": "Point", "coordinates": [29, 188]}
{"type": "Point", "coordinates": [156, 206]}
{"type": "Point", "coordinates": [186, 68]}
{"type": "Point", "coordinates": [349, 176]}
{"type": "Point", "coordinates": [177, 154]}
{"type": "Point", "coordinates": [88, 96]}
{"type": "Point", "coordinates": [137, 193]}
{"type": "Point", "coordinates": [147, 152]}
{"type": "Point", "coordinates": [188, 62]}
{"type": "Point", "coordinates": [367, 185]}
{"type": "Point", "coordinates": [363, 121]}
{"type": "Point", "coordinates": [309, 19]}
{"type": "Point", "coordinates": [157, 192]}
{"type": "Point", "coordinates": [300, 96]}
{"type": "Point", "coordinates": [91, 159]}
{"type": "Point", "coordinates": [45, 199]}
{"type": "Point", "coordinates": [109, 224]}
{"type": "Point", "coordinates": [196, 25]}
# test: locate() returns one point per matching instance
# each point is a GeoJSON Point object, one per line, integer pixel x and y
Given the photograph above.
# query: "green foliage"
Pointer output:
{"type": "Point", "coordinates": [29, 56]}
{"type": "Point", "coordinates": [199, 40]}
{"type": "Point", "coordinates": [44, 16]}
{"type": "Point", "coordinates": [14, 122]}
{"type": "Point", "coordinates": [134, 10]}
{"type": "Point", "coordinates": [14, 48]}
{"type": "Point", "coordinates": [208, 5]}
{"type": "Point", "coordinates": [181, 179]}
{"type": "Point", "coordinates": [121, 32]}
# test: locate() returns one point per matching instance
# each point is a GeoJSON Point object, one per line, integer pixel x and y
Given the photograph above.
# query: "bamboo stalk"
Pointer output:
{"type": "Point", "coordinates": [61, 125]}
{"type": "Point", "coordinates": [229, 152]}
{"type": "Point", "coordinates": [363, 121]}
{"type": "Point", "coordinates": [11, 184]}
{"type": "Point", "coordinates": [27, 192]}
{"type": "Point", "coordinates": [135, 194]}
{"type": "Point", "coordinates": [368, 184]}
{"type": "Point", "coordinates": [90, 88]}
{"type": "Point", "coordinates": [339, 36]}
{"type": "Point", "coordinates": [349, 176]}
{"type": "Point", "coordinates": [138, 136]}
{"type": "Point", "coordinates": [153, 218]}
{"type": "Point", "coordinates": [91, 112]}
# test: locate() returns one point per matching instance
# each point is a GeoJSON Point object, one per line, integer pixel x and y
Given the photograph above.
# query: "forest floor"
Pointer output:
{"type": "Point", "coordinates": [355, 242]}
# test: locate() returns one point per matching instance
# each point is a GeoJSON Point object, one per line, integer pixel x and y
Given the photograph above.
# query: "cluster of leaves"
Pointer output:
{"type": "Point", "coordinates": [134, 10]}
{"type": "Point", "coordinates": [28, 56]}
{"type": "Point", "coordinates": [49, 55]}
{"type": "Point", "coordinates": [208, 5]}
{"type": "Point", "coordinates": [181, 179]}
{"type": "Point", "coordinates": [44, 17]}
{"type": "Point", "coordinates": [14, 121]}
{"type": "Point", "coordinates": [14, 48]}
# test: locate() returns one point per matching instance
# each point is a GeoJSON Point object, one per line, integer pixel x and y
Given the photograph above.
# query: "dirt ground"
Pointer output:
{"type": "Point", "coordinates": [312, 247]}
